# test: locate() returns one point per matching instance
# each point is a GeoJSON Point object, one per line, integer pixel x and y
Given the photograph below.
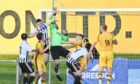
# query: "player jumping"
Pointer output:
{"type": "Point", "coordinates": [57, 50]}
{"type": "Point", "coordinates": [106, 41]}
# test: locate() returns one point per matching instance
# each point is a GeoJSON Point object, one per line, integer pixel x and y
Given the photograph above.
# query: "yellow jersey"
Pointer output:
{"type": "Point", "coordinates": [38, 55]}
{"type": "Point", "coordinates": [106, 41]}
{"type": "Point", "coordinates": [82, 61]}
{"type": "Point", "coordinates": [78, 44]}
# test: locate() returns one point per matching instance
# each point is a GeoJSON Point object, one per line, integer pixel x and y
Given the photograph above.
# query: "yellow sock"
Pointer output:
{"type": "Point", "coordinates": [109, 77]}
{"type": "Point", "coordinates": [35, 81]}
{"type": "Point", "coordinates": [108, 81]}
{"type": "Point", "coordinates": [43, 82]}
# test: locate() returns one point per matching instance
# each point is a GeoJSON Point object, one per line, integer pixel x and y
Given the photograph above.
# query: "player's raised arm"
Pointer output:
{"type": "Point", "coordinates": [52, 17]}
{"type": "Point", "coordinates": [93, 45]}
{"type": "Point", "coordinates": [37, 29]}
{"type": "Point", "coordinates": [72, 44]}
{"type": "Point", "coordinates": [69, 42]}
{"type": "Point", "coordinates": [31, 35]}
{"type": "Point", "coordinates": [91, 48]}
{"type": "Point", "coordinates": [47, 48]}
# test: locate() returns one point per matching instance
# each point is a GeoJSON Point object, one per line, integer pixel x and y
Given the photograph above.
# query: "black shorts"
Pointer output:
{"type": "Point", "coordinates": [57, 51]}
{"type": "Point", "coordinates": [72, 67]}
{"type": "Point", "coordinates": [26, 67]}
{"type": "Point", "coordinates": [47, 51]}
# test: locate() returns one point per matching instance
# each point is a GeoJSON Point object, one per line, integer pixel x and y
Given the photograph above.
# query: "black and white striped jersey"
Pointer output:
{"type": "Point", "coordinates": [24, 49]}
{"type": "Point", "coordinates": [42, 30]}
{"type": "Point", "coordinates": [77, 54]}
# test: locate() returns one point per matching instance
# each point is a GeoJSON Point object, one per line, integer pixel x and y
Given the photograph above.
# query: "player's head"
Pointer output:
{"type": "Point", "coordinates": [103, 28]}
{"type": "Point", "coordinates": [38, 23]}
{"type": "Point", "coordinates": [79, 37]}
{"type": "Point", "coordinates": [86, 40]}
{"type": "Point", "coordinates": [39, 36]}
{"type": "Point", "coordinates": [24, 36]}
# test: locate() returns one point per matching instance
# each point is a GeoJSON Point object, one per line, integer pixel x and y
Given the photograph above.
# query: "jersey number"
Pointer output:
{"type": "Point", "coordinates": [107, 42]}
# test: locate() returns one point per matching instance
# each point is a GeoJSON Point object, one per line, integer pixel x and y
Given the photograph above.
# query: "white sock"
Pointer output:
{"type": "Point", "coordinates": [39, 81]}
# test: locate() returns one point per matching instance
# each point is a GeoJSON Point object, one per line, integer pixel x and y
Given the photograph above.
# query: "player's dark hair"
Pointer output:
{"type": "Point", "coordinates": [24, 36]}
{"type": "Point", "coordinates": [86, 40]}
{"type": "Point", "coordinates": [39, 36]}
{"type": "Point", "coordinates": [38, 20]}
{"type": "Point", "coordinates": [80, 35]}
{"type": "Point", "coordinates": [104, 27]}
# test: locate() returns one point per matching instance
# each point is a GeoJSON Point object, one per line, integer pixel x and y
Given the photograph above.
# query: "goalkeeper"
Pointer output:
{"type": "Point", "coordinates": [56, 40]}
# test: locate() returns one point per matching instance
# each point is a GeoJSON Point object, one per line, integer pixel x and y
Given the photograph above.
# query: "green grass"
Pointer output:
{"type": "Point", "coordinates": [8, 70]}
{"type": "Point", "coordinates": [7, 73]}
{"type": "Point", "coordinates": [62, 72]}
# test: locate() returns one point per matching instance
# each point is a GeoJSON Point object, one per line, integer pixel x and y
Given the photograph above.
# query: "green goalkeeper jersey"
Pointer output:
{"type": "Point", "coordinates": [56, 37]}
